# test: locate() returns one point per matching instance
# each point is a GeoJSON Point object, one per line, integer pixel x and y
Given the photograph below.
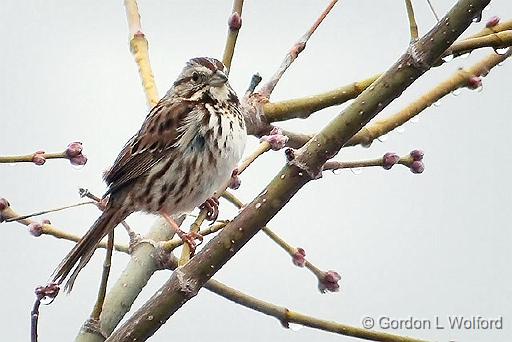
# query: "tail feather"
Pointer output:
{"type": "Point", "coordinates": [80, 255]}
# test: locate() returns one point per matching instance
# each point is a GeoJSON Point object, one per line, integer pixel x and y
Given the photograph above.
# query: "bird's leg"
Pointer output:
{"type": "Point", "coordinates": [212, 207]}
{"type": "Point", "coordinates": [188, 238]}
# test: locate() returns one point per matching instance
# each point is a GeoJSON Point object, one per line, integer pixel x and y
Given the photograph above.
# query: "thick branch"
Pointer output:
{"type": "Point", "coordinates": [186, 281]}
{"type": "Point", "coordinates": [302, 108]}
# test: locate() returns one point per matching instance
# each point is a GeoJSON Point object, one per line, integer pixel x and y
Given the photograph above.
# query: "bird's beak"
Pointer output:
{"type": "Point", "coordinates": [218, 79]}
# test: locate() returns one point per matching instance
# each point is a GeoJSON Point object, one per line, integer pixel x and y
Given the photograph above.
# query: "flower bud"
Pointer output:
{"type": "Point", "coordinates": [38, 158]}
{"type": "Point", "coordinates": [417, 155]}
{"type": "Point", "coordinates": [493, 21]}
{"type": "Point", "coordinates": [474, 82]}
{"type": "Point", "coordinates": [74, 149]}
{"type": "Point", "coordinates": [389, 159]}
{"type": "Point", "coordinates": [417, 166]}
{"type": "Point", "coordinates": [298, 258]}
{"type": "Point", "coordinates": [35, 228]}
{"type": "Point", "coordinates": [4, 204]}
{"type": "Point", "coordinates": [235, 21]}
{"type": "Point", "coordinates": [276, 139]}
{"type": "Point", "coordinates": [78, 160]}
{"type": "Point", "coordinates": [329, 282]}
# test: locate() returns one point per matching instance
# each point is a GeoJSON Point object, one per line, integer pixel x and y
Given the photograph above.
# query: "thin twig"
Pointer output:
{"type": "Point", "coordinates": [433, 10]}
{"type": "Point", "coordinates": [234, 24]}
{"type": "Point", "coordinates": [29, 158]}
{"type": "Point", "coordinates": [43, 212]}
{"type": "Point", "coordinates": [286, 316]}
{"type": "Point", "coordinates": [96, 311]}
{"type": "Point", "coordinates": [459, 79]}
{"type": "Point", "coordinates": [276, 238]}
{"type": "Point", "coordinates": [48, 229]}
{"type": "Point", "coordinates": [497, 40]}
{"type": "Point", "coordinates": [294, 52]}
{"type": "Point", "coordinates": [34, 314]}
{"type": "Point", "coordinates": [413, 27]}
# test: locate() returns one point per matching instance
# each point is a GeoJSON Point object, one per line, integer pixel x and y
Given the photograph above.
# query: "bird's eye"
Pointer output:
{"type": "Point", "coordinates": [195, 77]}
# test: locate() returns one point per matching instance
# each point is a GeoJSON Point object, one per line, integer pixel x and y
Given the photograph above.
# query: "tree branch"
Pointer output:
{"type": "Point", "coordinates": [186, 281]}
{"type": "Point", "coordinates": [234, 25]}
{"type": "Point", "coordinates": [302, 108]}
{"type": "Point", "coordinates": [139, 48]}
{"type": "Point", "coordinates": [286, 316]}
{"type": "Point", "coordinates": [460, 78]}
{"type": "Point", "coordinates": [294, 52]}
{"type": "Point", "coordinates": [413, 27]}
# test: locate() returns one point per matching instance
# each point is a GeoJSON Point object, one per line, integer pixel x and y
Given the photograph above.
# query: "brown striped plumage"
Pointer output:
{"type": "Point", "coordinates": [186, 149]}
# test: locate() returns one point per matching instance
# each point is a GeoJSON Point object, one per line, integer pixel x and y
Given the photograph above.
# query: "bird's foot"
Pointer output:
{"type": "Point", "coordinates": [212, 207]}
{"type": "Point", "coordinates": [190, 239]}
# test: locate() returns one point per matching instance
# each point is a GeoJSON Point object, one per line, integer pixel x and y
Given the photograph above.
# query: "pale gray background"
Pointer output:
{"type": "Point", "coordinates": [423, 245]}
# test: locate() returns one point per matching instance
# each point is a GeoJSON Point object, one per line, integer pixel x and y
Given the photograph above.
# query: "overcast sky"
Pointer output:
{"type": "Point", "coordinates": [426, 246]}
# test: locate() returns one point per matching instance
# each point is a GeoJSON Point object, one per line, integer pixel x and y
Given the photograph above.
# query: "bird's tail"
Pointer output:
{"type": "Point", "coordinates": [80, 255]}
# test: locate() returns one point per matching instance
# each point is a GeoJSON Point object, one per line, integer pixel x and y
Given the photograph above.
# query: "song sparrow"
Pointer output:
{"type": "Point", "coordinates": [186, 149]}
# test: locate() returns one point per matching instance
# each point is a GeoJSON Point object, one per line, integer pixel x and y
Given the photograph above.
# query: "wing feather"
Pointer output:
{"type": "Point", "coordinates": [151, 144]}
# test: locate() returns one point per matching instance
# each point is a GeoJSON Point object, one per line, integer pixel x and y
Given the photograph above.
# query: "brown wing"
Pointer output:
{"type": "Point", "coordinates": [152, 143]}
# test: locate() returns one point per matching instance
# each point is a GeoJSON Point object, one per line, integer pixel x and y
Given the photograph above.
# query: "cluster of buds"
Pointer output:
{"type": "Point", "coordinates": [414, 161]}
{"type": "Point", "coordinates": [47, 293]}
{"type": "Point", "coordinates": [276, 139]}
{"type": "Point", "coordinates": [417, 165]}
{"type": "Point", "coordinates": [74, 154]}
{"type": "Point", "coordinates": [328, 282]}
{"type": "Point", "coordinates": [299, 257]}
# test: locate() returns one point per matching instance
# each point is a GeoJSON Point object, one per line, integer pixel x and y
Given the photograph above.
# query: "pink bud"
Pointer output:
{"type": "Point", "coordinates": [276, 139]}
{"type": "Point", "coordinates": [329, 282]}
{"type": "Point", "coordinates": [4, 204]}
{"type": "Point", "coordinates": [46, 221]}
{"type": "Point", "coordinates": [389, 159]}
{"type": "Point", "coordinates": [35, 228]}
{"type": "Point", "coordinates": [417, 166]}
{"type": "Point", "coordinates": [38, 158]}
{"type": "Point", "coordinates": [78, 160]}
{"type": "Point", "coordinates": [235, 21]}
{"type": "Point", "coordinates": [474, 82]}
{"type": "Point", "coordinates": [49, 291]}
{"type": "Point", "coordinates": [74, 149]}
{"type": "Point", "coordinates": [416, 155]}
{"type": "Point", "coordinates": [298, 258]}
{"type": "Point", "coordinates": [493, 21]}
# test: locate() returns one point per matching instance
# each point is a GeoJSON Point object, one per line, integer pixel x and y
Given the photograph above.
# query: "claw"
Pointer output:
{"type": "Point", "coordinates": [212, 207]}
{"type": "Point", "coordinates": [190, 240]}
